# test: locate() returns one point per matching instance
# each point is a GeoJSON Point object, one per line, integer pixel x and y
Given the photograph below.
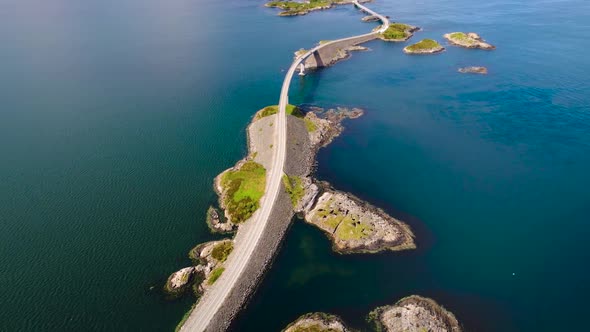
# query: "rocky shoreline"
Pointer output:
{"type": "Point", "coordinates": [412, 313]}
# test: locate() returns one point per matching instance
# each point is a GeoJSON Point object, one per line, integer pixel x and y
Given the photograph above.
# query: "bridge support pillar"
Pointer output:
{"type": "Point", "coordinates": [301, 69]}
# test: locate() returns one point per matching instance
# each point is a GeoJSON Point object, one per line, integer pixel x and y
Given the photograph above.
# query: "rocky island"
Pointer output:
{"type": "Point", "coordinates": [317, 322]}
{"type": "Point", "coordinates": [468, 40]}
{"type": "Point", "coordinates": [425, 46]}
{"type": "Point", "coordinates": [412, 313]}
{"type": "Point", "coordinates": [398, 32]}
{"type": "Point", "coordinates": [473, 70]}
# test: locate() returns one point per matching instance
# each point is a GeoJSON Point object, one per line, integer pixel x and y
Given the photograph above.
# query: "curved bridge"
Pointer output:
{"type": "Point", "coordinates": [251, 232]}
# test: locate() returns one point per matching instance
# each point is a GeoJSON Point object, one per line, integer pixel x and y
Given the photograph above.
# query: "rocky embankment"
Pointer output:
{"type": "Point", "coordinates": [468, 40]}
{"type": "Point", "coordinates": [425, 46]}
{"type": "Point", "coordinates": [473, 70]}
{"type": "Point", "coordinates": [413, 313]}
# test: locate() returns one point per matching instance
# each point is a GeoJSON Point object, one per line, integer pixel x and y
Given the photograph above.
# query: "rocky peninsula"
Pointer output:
{"type": "Point", "coordinates": [468, 40]}
{"type": "Point", "coordinates": [355, 226]}
{"type": "Point", "coordinates": [425, 46]}
{"type": "Point", "coordinates": [473, 70]}
{"type": "Point", "coordinates": [412, 313]}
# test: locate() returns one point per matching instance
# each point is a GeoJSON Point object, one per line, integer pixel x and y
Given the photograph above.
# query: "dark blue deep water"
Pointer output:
{"type": "Point", "coordinates": [116, 115]}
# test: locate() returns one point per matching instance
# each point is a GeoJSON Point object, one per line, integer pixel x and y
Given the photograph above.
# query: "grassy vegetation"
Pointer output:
{"type": "Point", "coordinates": [294, 7]}
{"type": "Point", "coordinates": [351, 228]}
{"type": "Point", "coordinates": [294, 187]}
{"type": "Point", "coordinates": [215, 274]}
{"type": "Point", "coordinates": [462, 37]}
{"type": "Point", "coordinates": [397, 31]}
{"type": "Point", "coordinates": [425, 44]}
{"type": "Point", "coordinates": [310, 125]}
{"type": "Point", "coordinates": [243, 189]}
{"type": "Point", "coordinates": [274, 109]}
{"type": "Point", "coordinates": [222, 250]}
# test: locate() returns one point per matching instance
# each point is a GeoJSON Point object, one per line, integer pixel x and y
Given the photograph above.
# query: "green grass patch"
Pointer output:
{"type": "Point", "coordinates": [222, 250]}
{"type": "Point", "coordinates": [215, 274]}
{"type": "Point", "coordinates": [397, 31]}
{"type": "Point", "coordinates": [274, 109]}
{"type": "Point", "coordinates": [310, 125]}
{"type": "Point", "coordinates": [294, 187]}
{"type": "Point", "coordinates": [425, 44]}
{"type": "Point", "coordinates": [243, 189]}
{"type": "Point", "coordinates": [351, 228]}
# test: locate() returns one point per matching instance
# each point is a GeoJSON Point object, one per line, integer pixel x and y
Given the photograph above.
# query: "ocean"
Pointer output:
{"type": "Point", "coordinates": [116, 116]}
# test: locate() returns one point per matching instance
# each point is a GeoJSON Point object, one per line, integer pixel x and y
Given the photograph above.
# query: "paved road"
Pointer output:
{"type": "Point", "coordinates": [250, 233]}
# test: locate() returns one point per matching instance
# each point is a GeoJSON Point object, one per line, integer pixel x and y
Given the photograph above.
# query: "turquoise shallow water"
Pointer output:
{"type": "Point", "coordinates": [116, 116]}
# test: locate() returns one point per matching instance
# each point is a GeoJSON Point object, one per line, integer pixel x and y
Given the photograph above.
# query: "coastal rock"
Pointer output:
{"type": "Point", "coordinates": [414, 313]}
{"type": "Point", "coordinates": [474, 70]}
{"type": "Point", "coordinates": [208, 257]}
{"type": "Point", "coordinates": [216, 223]}
{"type": "Point", "coordinates": [179, 280]}
{"type": "Point", "coordinates": [425, 46]}
{"type": "Point", "coordinates": [319, 322]}
{"type": "Point", "coordinates": [357, 227]}
{"type": "Point", "coordinates": [328, 124]}
{"type": "Point", "coordinates": [468, 40]}
{"type": "Point", "coordinates": [370, 18]}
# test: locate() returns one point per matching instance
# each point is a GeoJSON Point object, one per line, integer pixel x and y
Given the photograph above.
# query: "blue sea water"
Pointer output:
{"type": "Point", "coordinates": [116, 115]}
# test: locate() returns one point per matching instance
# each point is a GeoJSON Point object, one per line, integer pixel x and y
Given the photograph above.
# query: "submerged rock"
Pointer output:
{"type": "Point", "coordinates": [414, 313]}
{"type": "Point", "coordinates": [474, 70]}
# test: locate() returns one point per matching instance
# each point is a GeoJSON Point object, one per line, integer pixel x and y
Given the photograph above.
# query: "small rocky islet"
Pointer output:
{"type": "Point", "coordinates": [468, 40]}
{"type": "Point", "coordinates": [425, 46]}
{"type": "Point", "coordinates": [473, 70]}
{"type": "Point", "coordinates": [412, 313]}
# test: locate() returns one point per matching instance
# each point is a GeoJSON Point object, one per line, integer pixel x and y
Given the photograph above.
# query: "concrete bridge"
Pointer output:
{"type": "Point", "coordinates": [220, 303]}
